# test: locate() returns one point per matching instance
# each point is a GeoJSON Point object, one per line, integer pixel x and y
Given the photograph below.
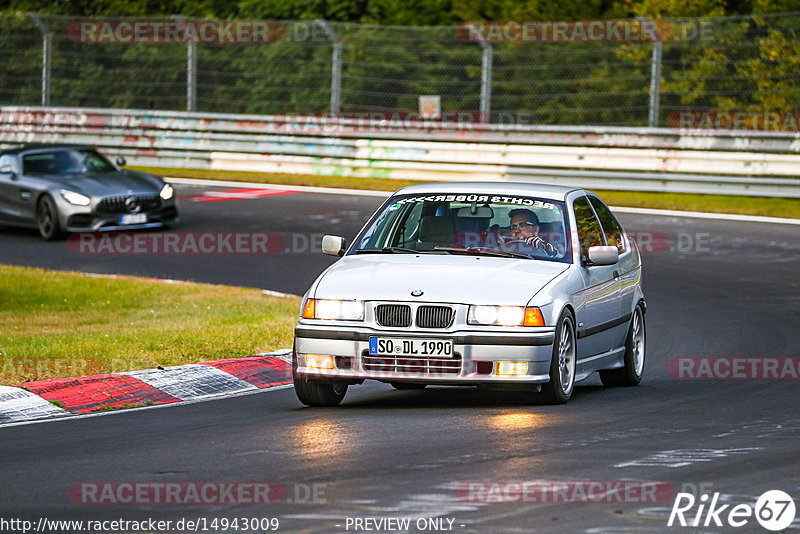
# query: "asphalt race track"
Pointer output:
{"type": "Point", "coordinates": [297, 221]}
{"type": "Point", "coordinates": [714, 289]}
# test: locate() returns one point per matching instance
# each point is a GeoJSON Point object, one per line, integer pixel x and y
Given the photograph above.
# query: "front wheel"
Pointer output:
{"type": "Point", "coordinates": [316, 393]}
{"type": "Point", "coordinates": [631, 373]}
{"type": "Point", "coordinates": [562, 365]}
{"type": "Point", "coordinates": [47, 219]}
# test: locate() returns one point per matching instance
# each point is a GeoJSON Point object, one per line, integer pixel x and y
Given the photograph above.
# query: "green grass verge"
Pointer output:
{"type": "Point", "coordinates": [61, 324]}
{"type": "Point", "coordinates": [764, 206]}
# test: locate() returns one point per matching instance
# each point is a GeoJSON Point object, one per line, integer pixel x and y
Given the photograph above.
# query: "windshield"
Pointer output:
{"type": "Point", "coordinates": [493, 225]}
{"type": "Point", "coordinates": [71, 161]}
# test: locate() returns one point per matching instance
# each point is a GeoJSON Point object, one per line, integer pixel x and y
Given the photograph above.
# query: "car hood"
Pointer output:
{"type": "Point", "coordinates": [106, 184]}
{"type": "Point", "coordinates": [442, 278]}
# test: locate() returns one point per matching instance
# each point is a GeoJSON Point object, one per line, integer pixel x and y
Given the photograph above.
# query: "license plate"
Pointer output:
{"type": "Point", "coordinates": [442, 348]}
{"type": "Point", "coordinates": [133, 218]}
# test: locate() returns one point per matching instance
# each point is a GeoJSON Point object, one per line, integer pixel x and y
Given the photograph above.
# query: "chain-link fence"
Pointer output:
{"type": "Point", "coordinates": [315, 67]}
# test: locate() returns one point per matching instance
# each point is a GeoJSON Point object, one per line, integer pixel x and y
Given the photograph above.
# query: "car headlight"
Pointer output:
{"type": "Point", "coordinates": [75, 198]}
{"type": "Point", "coordinates": [505, 316]}
{"type": "Point", "coordinates": [167, 192]}
{"type": "Point", "coordinates": [339, 310]}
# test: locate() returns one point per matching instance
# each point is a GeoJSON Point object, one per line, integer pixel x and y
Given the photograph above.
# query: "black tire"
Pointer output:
{"type": "Point", "coordinates": [47, 219]}
{"type": "Point", "coordinates": [314, 392]}
{"type": "Point", "coordinates": [631, 373]}
{"type": "Point", "coordinates": [407, 385]}
{"type": "Point", "coordinates": [557, 391]}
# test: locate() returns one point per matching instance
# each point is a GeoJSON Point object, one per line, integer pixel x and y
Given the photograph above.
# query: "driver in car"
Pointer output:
{"type": "Point", "coordinates": [525, 227]}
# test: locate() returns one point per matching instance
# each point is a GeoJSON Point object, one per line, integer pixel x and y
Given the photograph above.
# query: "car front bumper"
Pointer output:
{"type": "Point", "coordinates": [77, 219]}
{"type": "Point", "coordinates": [472, 363]}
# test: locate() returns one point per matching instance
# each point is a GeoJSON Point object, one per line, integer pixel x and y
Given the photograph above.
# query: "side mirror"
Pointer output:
{"type": "Point", "coordinates": [334, 245]}
{"type": "Point", "coordinates": [6, 169]}
{"type": "Point", "coordinates": [608, 255]}
{"type": "Point", "coordinates": [121, 161]}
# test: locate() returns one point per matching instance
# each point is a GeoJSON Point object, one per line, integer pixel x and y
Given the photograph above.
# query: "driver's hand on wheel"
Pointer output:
{"type": "Point", "coordinates": [541, 244]}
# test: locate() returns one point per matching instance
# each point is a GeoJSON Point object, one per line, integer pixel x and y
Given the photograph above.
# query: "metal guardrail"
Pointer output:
{"type": "Point", "coordinates": [641, 159]}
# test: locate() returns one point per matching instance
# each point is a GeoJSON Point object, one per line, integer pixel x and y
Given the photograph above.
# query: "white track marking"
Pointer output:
{"type": "Point", "coordinates": [684, 457]}
{"type": "Point", "coordinates": [704, 215]}
{"type": "Point", "coordinates": [18, 404]}
{"type": "Point", "coordinates": [384, 194]}
{"type": "Point", "coordinates": [192, 381]}
{"type": "Point", "coordinates": [302, 188]}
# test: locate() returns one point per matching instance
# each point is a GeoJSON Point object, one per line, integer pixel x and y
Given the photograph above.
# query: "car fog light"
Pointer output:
{"type": "Point", "coordinates": [511, 368]}
{"type": "Point", "coordinates": [319, 361]}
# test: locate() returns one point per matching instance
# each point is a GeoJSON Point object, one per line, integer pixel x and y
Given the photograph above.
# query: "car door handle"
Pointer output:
{"type": "Point", "coordinates": [616, 275]}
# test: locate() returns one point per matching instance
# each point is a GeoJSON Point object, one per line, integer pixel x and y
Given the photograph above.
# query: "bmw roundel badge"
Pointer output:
{"type": "Point", "coordinates": [416, 293]}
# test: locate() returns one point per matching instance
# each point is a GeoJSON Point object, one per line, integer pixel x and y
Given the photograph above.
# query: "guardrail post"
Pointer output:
{"type": "Point", "coordinates": [191, 72]}
{"type": "Point", "coordinates": [655, 84]}
{"type": "Point", "coordinates": [336, 66]}
{"type": "Point", "coordinates": [191, 77]}
{"type": "Point", "coordinates": [46, 53]}
{"type": "Point", "coordinates": [486, 76]}
{"type": "Point", "coordinates": [486, 81]}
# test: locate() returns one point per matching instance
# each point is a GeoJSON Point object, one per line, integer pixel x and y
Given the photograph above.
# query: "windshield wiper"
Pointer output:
{"type": "Point", "coordinates": [390, 250]}
{"type": "Point", "coordinates": [483, 252]}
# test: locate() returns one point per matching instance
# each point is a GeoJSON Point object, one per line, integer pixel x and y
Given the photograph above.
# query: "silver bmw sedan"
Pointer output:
{"type": "Point", "coordinates": [509, 285]}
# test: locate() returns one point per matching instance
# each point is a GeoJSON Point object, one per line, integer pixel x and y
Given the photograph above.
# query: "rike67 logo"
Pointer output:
{"type": "Point", "coordinates": [774, 510]}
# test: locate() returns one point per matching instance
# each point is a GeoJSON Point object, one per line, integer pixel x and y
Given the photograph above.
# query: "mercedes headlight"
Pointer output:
{"type": "Point", "coordinates": [167, 192]}
{"type": "Point", "coordinates": [75, 198]}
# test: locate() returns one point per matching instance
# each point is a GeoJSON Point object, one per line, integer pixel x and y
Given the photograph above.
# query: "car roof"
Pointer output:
{"type": "Point", "coordinates": [43, 147]}
{"type": "Point", "coordinates": [547, 191]}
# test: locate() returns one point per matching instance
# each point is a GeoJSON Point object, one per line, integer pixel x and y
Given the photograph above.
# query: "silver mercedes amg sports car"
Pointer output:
{"type": "Point", "coordinates": [74, 188]}
{"type": "Point", "coordinates": [509, 285]}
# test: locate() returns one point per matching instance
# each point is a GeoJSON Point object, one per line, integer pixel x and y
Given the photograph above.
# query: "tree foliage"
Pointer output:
{"type": "Point", "coordinates": [405, 12]}
{"type": "Point", "coordinates": [393, 51]}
